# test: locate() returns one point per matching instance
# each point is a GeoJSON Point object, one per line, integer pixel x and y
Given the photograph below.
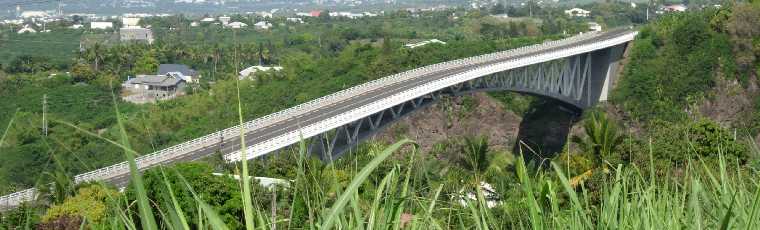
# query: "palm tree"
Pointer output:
{"type": "Point", "coordinates": [475, 150]}
{"type": "Point", "coordinates": [602, 136]}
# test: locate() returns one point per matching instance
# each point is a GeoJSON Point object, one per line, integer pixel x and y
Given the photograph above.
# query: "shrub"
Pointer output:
{"type": "Point", "coordinates": [90, 203]}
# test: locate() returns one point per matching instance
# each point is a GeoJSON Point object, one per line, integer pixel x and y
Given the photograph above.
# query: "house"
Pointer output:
{"type": "Point", "coordinates": [593, 26]}
{"type": "Point", "coordinates": [577, 12]}
{"type": "Point", "coordinates": [27, 29]}
{"type": "Point", "coordinates": [76, 26]}
{"type": "Point", "coordinates": [136, 34]}
{"type": "Point", "coordinates": [225, 19]}
{"type": "Point", "coordinates": [180, 71]}
{"type": "Point", "coordinates": [262, 25]}
{"type": "Point", "coordinates": [423, 43]}
{"type": "Point", "coordinates": [130, 22]}
{"type": "Point", "coordinates": [675, 8]}
{"type": "Point", "coordinates": [315, 13]}
{"type": "Point", "coordinates": [194, 24]}
{"type": "Point", "coordinates": [250, 71]}
{"type": "Point", "coordinates": [294, 20]}
{"type": "Point", "coordinates": [237, 25]}
{"type": "Point", "coordinates": [151, 88]}
{"type": "Point", "coordinates": [208, 20]}
{"type": "Point", "coordinates": [101, 25]}
{"type": "Point", "coordinates": [301, 14]}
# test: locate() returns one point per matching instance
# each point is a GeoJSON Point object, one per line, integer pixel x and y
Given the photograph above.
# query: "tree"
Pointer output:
{"type": "Point", "coordinates": [90, 203]}
{"type": "Point", "coordinates": [601, 138]}
{"type": "Point", "coordinates": [147, 64]}
{"type": "Point", "coordinates": [82, 72]}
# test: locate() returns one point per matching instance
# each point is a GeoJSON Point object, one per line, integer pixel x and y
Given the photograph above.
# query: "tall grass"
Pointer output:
{"type": "Point", "coordinates": [704, 197]}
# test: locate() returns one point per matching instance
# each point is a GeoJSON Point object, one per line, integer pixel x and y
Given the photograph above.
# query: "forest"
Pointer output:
{"type": "Point", "coordinates": [660, 154]}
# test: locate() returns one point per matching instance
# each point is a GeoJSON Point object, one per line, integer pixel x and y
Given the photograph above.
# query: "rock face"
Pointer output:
{"type": "Point", "coordinates": [475, 115]}
{"type": "Point", "coordinates": [730, 103]}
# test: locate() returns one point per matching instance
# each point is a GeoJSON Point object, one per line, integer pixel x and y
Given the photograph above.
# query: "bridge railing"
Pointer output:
{"type": "Point", "coordinates": [180, 149]}
{"type": "Point", "coordinates": [165, 155]}
{"type": "Point", "coordinates": [364, 110]}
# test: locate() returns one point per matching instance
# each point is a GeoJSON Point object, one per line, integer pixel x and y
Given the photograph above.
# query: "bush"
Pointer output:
{"type": "Point", "coordinates": [703, 139]}
{"type": "Point", "coordinates": [90, 203]}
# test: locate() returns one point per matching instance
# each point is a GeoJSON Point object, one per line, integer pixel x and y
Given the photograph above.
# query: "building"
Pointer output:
{"type": "Point", "coordinates": [674, 8]}
{"type": "Point", "coordinates": [262, 25]}
{"type": "Point", "coordinates": [208, 20]}
{"type": "Point", "coordinates": [183, 72]}
{"type": "Point", "coordinates": [251, 71]}
{"type": "Point", "coordinates": [136, 34]}
{"type": "Point", "coordinates": [26, 29]}
{"type": "Point", "coordinates": [225, 19]}
{"type": "Point", "coordinates": [101, 25]}
{"type": "Point", "coordinates": [130, 22]}
{"type": "Point", "coordinates": [76, 26]}
{"type": "Point", "coordinates": [294, 20]}
{"type": "Point", "coordinates": [151, 88]}
{"type": "Point", "coordinates": [237, 25]}
{"type": "Point", "coordinates": [577, 12]}
{"type": "Point", "coordinates": [593, 26]}
{"type": "Point", "coordinates": [423, 43]}
{"type": "Point", "coordinates": [315, 13]}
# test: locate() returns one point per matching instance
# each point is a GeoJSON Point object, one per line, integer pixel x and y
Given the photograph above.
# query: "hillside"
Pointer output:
{"type": "Point", "coordinates": [676, 147]}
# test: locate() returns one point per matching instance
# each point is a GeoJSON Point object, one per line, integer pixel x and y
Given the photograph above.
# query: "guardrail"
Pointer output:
{"type": "Point", "coordinates": [166, 155]}
{"type": "Point", "coordinates": [331, 123]}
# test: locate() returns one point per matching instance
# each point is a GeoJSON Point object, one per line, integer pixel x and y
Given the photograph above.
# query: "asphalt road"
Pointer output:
{"type": "Point", "coordinates": [329, 110]}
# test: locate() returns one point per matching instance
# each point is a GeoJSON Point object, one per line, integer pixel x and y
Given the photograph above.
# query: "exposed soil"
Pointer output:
{"type": "Point", "coordinates": [542, 133]}
{"type": "Point", "coordinates": [729, 103]}
{"type": "Point", "coordinates": [454, 117]}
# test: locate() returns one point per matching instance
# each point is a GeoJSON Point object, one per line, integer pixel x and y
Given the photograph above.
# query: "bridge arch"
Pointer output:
{"type": "Point", "coordinates": [580, 80]}
{"type": "Point", "coordinates": [578, 70]}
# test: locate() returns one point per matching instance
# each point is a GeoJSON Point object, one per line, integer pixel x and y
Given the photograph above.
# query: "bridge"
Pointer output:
{"type": "Point", "coordinates": [578, 70]}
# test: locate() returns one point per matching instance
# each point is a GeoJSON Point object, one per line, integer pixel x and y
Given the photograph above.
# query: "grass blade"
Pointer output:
{"type": "Point", "coordinates": [332, 216]}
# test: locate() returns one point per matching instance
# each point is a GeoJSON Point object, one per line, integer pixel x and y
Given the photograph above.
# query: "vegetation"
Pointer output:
{"type": "Point", "coordinates": [655, 162]}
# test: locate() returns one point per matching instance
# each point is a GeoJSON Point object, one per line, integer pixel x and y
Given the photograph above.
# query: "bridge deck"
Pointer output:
{"type": "Point", "coordinates": [270, 127]}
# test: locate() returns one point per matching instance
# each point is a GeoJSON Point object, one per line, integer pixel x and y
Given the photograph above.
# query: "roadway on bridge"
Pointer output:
{"type": "Point", "coordinates": [326, 111]}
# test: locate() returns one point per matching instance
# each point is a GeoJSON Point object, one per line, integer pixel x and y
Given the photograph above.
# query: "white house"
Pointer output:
{"type": "Point", "coordinates": [303, 14]}
{"type": "Point", "coordinates": [577, 12]}
{"type": "Point", "coordinates": [128, 21]}
{"type": "Point", "coordinates": [262, 25]}
{"type": "Point", "coordinates": [423, 43]}
{"type": "Point", "coordinates": [101, 25]}
{"type": "Point", "coordinates": [237, 25]}
{"type": "Point", "coordinates": [250, 71]}
{"type": "Point", "coordinates": [225, 19]}
{"type": "Point", "coordinates": [593, 26]}
{"type": "Point", "coordinates": [208, 20]}
{"type": "Point", "coordinates": [27, 29]}
{"type": "Point", "coordinates": [194, 24]}
{"type": "Point", "coordinates": [294, 20]}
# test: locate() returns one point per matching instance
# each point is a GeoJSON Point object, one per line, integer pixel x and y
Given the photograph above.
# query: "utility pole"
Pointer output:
{"type": "Point", "coordinates": [44, 111]}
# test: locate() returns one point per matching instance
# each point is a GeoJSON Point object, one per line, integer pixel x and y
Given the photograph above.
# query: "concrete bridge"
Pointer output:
{"type": "Point", "coordinates": [578, 70]}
